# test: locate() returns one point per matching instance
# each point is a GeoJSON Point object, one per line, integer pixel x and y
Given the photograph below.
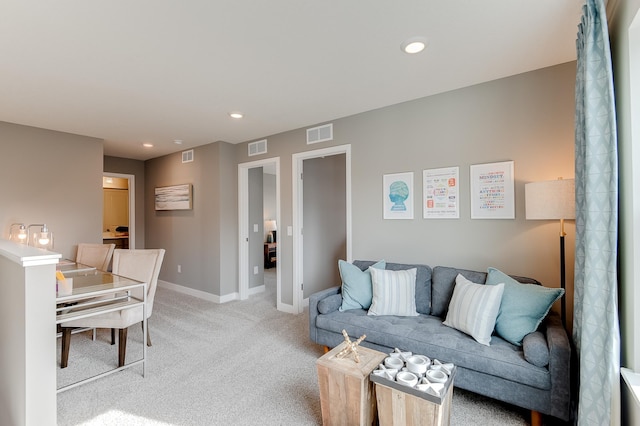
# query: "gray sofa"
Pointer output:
{"type": "Point", "coordinates": [499, 371]}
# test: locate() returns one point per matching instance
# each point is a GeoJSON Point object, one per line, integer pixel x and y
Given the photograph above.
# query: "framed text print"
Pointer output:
{"type": "Point", "coordinates": [441, 193]}
{"type": "Point", "coordinates": [492, 191]}
{"type": "Point", "coordinates": [176, 197]}
{"type": "Point", "coordinates": [397, 193]}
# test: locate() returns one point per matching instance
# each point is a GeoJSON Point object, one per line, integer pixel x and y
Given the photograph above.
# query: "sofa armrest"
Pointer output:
{"type": "Point", "coordinates": [559, 366]}
{"type": "Point", "coordinates": [314, 299]}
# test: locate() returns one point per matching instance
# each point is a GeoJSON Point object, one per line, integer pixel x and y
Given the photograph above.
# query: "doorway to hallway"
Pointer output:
{"type": "Point", "coordinates": [118, 218]}
{"type": "Point", "coordinates": [259, 217]}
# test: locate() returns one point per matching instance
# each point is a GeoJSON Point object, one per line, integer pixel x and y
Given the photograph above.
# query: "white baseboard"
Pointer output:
{"type": "Point", "coordinates": [287, 309]}
{"type": "Point", "coordinates": [226, 298]}
{"type": "Point", "coordinates": [256, 290]}
{"type": "Point", "coordinates": [199, 293]}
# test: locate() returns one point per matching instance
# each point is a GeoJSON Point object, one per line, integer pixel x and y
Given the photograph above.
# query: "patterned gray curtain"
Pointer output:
{"type": "Point", "coordinates": [596, 331]}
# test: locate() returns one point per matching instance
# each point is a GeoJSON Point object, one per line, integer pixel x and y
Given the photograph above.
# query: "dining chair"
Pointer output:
{"type": "Point", "coordinates": [138, 264]}
{"type": "Point", "coordinates": [96, 255]}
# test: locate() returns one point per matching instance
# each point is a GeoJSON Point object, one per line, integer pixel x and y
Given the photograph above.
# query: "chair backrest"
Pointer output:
{"type": "Point", "coordinates": [96, 255]}
{"type": "Point", "coordinates": [142, 265]}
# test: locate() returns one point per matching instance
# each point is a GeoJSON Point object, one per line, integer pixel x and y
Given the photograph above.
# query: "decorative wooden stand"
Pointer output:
{"type": "Point", "coordinates": [347, 397]}
{"type": "Point", "coordinates": [399, 405]}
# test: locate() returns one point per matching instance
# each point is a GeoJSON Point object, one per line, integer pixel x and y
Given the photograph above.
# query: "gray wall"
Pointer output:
{"type": "Point", "coordinates": [324, 222]}
{"type": "Point", "coordinates": [55, 178]}
{"type": "Point", "coordinates": [526, 118]}
{"type": "Point", "coordinates": [136, 168]}
{"type": "Point", "coordinates": [622, 42]}
{"type": "Point", "coordinates": [228, 213]}
{"type": "Point", "coordinates": [202, 240]}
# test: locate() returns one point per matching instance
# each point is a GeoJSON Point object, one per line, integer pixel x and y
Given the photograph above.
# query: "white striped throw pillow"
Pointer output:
{"type": "Point", "coordinates": [474, 308]}
{"type": "Point", "coordinates": [394, 292]}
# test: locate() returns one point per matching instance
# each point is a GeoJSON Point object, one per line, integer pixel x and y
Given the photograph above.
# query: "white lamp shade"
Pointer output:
{"type": "Point", "coordinates": [270, 225]}
{"type": "Point", "coordinates": [550, 200]}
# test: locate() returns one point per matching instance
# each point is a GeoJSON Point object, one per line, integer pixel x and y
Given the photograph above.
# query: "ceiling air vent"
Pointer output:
{"type": "Point", "coordinates": [320, 134]}
{"type": "Point", "coordinates": [187, 156]}
{"type": "Point", "coordinates": [258, 147]}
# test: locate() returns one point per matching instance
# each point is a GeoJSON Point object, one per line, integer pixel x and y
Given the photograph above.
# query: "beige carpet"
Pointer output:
{"type": "Point", "coordinates": [238, 363]}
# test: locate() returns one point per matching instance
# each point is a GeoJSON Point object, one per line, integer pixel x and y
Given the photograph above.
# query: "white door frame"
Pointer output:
{"type": "Point", "coordinates": [299, 302]}
{"type": "Point", "coordinates": [132, 204]}
{"type": "Point", "coordinates": [243, 231]}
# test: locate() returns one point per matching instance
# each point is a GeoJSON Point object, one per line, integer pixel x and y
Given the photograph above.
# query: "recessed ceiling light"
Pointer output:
{"type": "Point", "coordinates": [414, 45]}
{"type": "Point", "coordinates": [178, 141]}
{"type": "Point", "coordinates": [235, 115]}
{"type": "Point", "coordinates": [147, 145]}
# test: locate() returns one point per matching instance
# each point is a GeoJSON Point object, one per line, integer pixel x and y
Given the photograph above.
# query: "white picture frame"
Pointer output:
{"type": "Point", "coordinates": [492, 191]}
{"type": "Point", "coordinates": [441, 193]}
{"type": "Point", "coordinates": [397, 193]}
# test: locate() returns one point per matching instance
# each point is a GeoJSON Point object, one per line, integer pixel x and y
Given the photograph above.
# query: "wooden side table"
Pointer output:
{"type": "Point", "coordinates": [270, 255]}
{"type": "Point", "coordinates": [402, 406]}
{"type": "Point", "coordinates": [347, 397]}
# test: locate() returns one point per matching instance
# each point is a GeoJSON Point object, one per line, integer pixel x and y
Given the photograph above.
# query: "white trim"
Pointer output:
{"type": "Point", "coordinates": [286, 308]}
{"type": "Point", "coordinates": [25, 255]}
{"type": "Point", "coordinates": [132, 204]}
{"type": "Point", "coordinates": [198, 293]}
{"type": "Point", "coordinates": [632, 380]}
{"type": "Point", "coordinates": [243, 232]}
{"type": "Point", "coordinates": [257, 289]}
{"type": "Point", "coordinates": [633, 246]}
{"type": "Point", "coordinates": [299, 302]}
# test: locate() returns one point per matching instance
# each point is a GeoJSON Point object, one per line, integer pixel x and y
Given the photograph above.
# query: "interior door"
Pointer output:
{"type": "Point", "coordinates": [324, 221]}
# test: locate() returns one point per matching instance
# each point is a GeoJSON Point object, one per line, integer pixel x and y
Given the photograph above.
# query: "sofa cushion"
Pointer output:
{"type": "Point", "coordinates": [535, 349]}
{"type": "Point", "coordinates": [474, 308]}
{"type": "Point", "coordinates": [523, 307]}
{"type": "Point", "coordinates": [394, 292]}
{"type": "Point", "coordinates": [423, 281]}
{"type": "Point", "coordinates": [356, 285]}
{"type": "Point", "coordinates": [427, 335]}
{"type": "Point", "coordinates": [443, 281]}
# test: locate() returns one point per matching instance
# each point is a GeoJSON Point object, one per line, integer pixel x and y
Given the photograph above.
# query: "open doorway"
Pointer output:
{"type": "Point", "coordinates": [118, 218]}
{"type": "Point", "coordinates": [270, 230]}
{"type": "Point", "coordinates": [321, 219]}
{"type": "Point", "coordinates": [258, 216]}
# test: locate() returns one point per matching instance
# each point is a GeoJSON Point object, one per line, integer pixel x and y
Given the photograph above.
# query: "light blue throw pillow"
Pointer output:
{"type": "Point", "coordinates": [523, 306]}
{"type": "Point", "coordinates": [357, 292]}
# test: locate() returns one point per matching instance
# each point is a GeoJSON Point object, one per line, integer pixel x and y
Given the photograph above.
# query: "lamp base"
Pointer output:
{"type": "Point", "coordinates": [563, 299]}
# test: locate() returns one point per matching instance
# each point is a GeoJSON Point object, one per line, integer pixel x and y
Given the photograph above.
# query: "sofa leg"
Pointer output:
{"type": "Point", "coordinates": [326, 349]}
{"type": "Point", "coordinates": [536, 418]}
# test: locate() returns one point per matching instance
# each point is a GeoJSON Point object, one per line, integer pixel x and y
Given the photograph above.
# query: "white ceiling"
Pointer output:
{"type": "Point", "coordinates": [154, 71]}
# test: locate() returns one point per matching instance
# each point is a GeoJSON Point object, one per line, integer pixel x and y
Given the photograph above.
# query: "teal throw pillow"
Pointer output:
{"type": "Point", "coordinates": [357, 292]}
{"type": "Point", "coordinates": [523, 306]}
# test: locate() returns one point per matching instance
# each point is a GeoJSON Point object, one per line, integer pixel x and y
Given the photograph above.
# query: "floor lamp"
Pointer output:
{"type": "Point", "coordinates": [553, 200]}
